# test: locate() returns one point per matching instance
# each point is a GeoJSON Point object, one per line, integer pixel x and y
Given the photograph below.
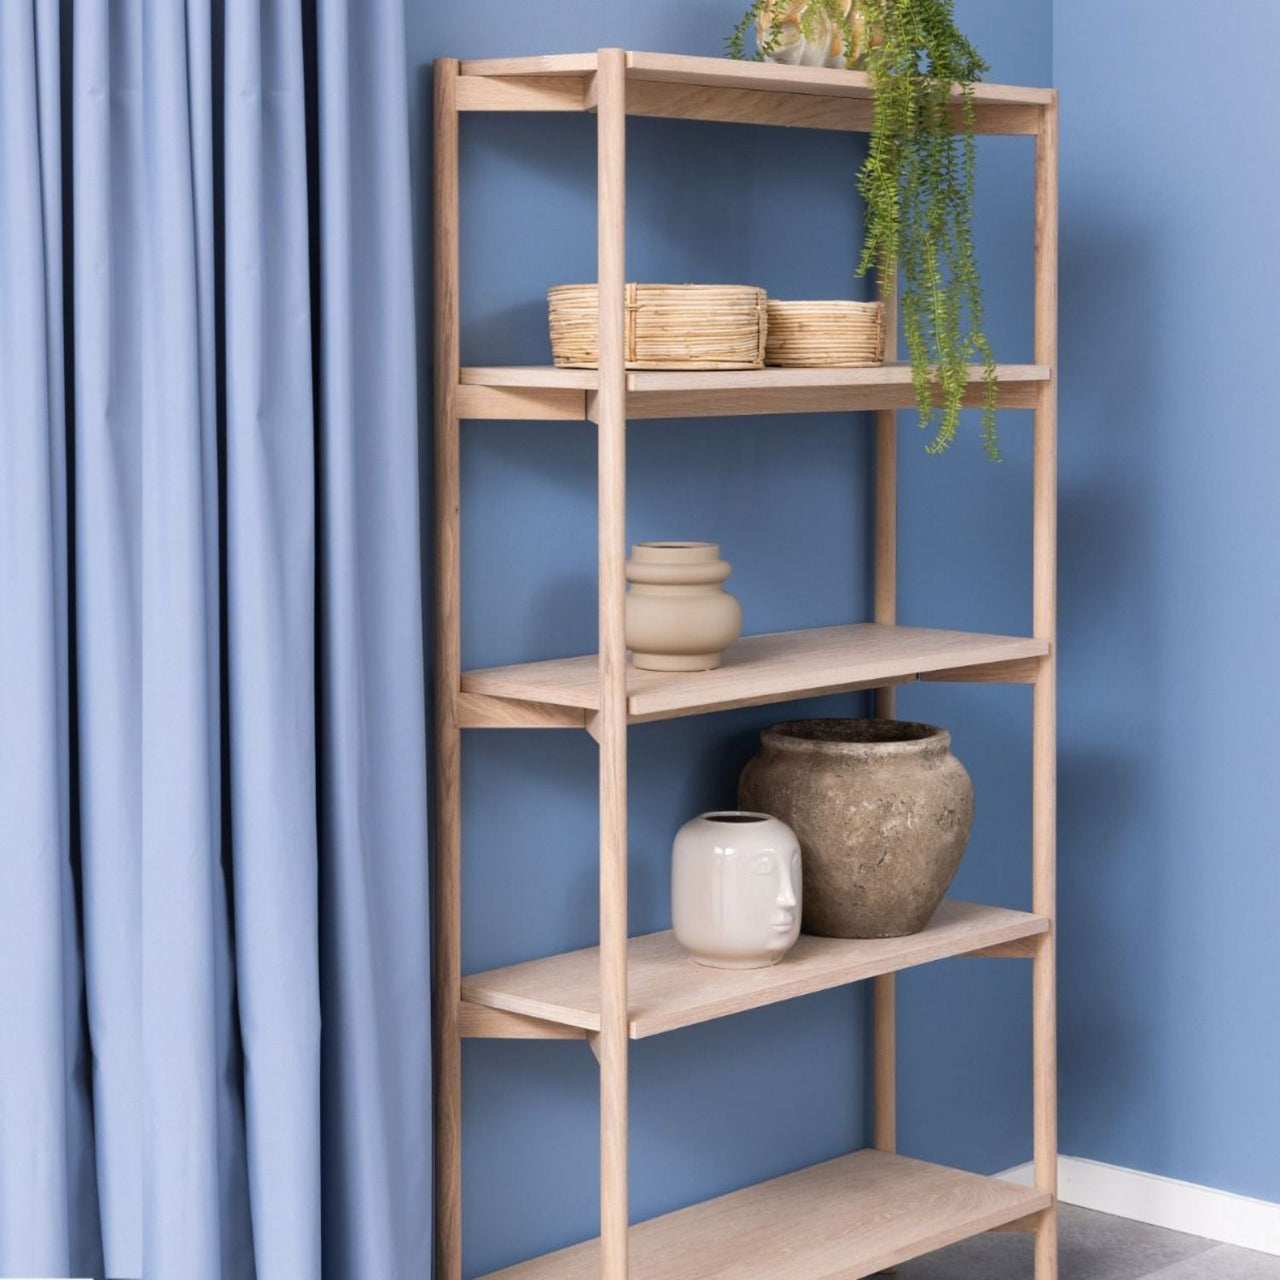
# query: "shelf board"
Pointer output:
{"type": "Point", "coordinates": [546, 392]}
{"type": "Point", "coordinates": [674, 68]}
{"type": "Point", "coordinates": [849, 1217]}
{"type": "Point", "coordinates": [770, 668]}
{"type": "Point", "coordinates": [678, 86]}
{"type": "Point", "coordinates": [668, 990]}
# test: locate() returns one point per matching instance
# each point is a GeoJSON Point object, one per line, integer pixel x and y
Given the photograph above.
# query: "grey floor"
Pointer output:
{"type": "Point", "coordinates": [1095, 1246]}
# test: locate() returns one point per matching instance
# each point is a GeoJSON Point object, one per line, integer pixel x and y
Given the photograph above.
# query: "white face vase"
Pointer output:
{"type": "Point", "coordinates": [735, 889]}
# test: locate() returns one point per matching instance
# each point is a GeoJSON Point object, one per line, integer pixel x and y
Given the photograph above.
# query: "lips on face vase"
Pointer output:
{"type": "Point", "coordinates": [736, 889]}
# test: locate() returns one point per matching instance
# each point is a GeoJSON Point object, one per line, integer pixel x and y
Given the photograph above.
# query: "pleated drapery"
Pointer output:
{"type": "Point", "coordinates": [214, 1016]}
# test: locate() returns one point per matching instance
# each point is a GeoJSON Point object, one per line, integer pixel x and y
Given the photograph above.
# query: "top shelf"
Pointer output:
{"type": "Point", "coordinates": [550, 393]}
{"type": "Point", "coordinates": [676, 86]}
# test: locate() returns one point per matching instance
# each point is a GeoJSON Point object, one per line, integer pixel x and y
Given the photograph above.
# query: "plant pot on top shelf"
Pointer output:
{"type": "Point", "coordinates": [807, 34]}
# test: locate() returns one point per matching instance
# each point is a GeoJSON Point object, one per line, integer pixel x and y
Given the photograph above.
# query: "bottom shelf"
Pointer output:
{"type": "Point", "coordinates": [849, 1217]}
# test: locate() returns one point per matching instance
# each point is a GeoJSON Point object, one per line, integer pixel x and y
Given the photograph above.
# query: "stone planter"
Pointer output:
{"type": "Point", "coordinates": [882, 810]}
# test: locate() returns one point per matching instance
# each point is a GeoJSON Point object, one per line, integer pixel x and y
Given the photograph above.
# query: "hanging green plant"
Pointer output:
{"type": "Point", "coordinates": [917, 180]}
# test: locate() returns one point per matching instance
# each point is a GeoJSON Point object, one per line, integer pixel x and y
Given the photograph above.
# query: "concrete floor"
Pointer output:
{"type": "Point", "coordinates": [1095, 1246]}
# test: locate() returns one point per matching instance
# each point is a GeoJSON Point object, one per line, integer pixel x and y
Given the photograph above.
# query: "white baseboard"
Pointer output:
{"type": "Point", "coordinates": [1164, 1202]}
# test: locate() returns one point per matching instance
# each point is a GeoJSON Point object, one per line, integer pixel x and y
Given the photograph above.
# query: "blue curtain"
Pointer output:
{"type": "Point", "coordinates": [214, 1001]}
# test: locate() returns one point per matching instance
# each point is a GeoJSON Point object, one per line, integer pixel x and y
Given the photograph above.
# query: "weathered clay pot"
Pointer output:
{"type": "Point", "coordinates": [882, 810]}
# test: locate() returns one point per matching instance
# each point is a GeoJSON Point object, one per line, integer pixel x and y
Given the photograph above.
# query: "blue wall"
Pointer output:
{"type": "Point", "coordinates": [725, 1104]}
{"type": "Point", "coordinates": [1170, 868]}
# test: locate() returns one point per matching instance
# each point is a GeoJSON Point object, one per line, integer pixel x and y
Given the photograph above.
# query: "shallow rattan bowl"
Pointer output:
{"type": "Point", "coordinates": [669, 326]}
{"type": "Point", "coordinates": [830, 334]}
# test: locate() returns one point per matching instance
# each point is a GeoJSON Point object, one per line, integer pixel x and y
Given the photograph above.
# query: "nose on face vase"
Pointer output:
{"type": "Point", "coordinates": [736, 889]}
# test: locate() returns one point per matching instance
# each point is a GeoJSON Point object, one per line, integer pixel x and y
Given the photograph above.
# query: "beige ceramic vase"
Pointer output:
{"type": "Point", "coordinates": [735, 890]}
{"type": "Point", "coordinates": [882, 810]}
{"type": "Point", "coordinates": [679, 617]}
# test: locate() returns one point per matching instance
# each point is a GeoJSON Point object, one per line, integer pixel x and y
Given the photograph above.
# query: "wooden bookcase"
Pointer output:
{"type": "Point", "coordinates": [869, 1210]}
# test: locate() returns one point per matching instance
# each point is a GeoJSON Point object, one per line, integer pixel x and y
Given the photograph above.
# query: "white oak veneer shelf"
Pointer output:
{"type": "Point", "coordinates": [768, 668]}
{"type": "Point", "coordinates": [667, 990]}
{"type": "Point", "coordinates": [549, 393]}
{"type": "Point", "coordinates": [679, 86]}
{"type": "Point", "coordinates": [894, 372]}
{"type": "Point", "coordinates": [846, 1218]}
{"type": "Point", "coordinates": [678, 68]}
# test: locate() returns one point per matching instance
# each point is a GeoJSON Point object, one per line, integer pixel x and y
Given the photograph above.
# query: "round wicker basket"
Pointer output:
{"type": "Point", "coordinates": [668, 326]}
{"type": "Point", "coordinates": [825, 334]}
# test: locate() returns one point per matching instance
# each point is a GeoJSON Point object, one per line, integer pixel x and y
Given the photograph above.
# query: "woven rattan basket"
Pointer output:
{"type": "Point", "coordinates": [825, 334]}
{"type": "Point", "coordinates": [669, 326]}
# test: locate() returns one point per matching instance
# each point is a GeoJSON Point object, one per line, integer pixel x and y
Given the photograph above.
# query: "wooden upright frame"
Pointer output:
{"type": "Point", "coordinates": [584, 995]}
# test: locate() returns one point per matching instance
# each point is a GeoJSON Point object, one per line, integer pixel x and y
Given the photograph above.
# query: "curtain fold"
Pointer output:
{"type": "Point", "coordinates": [270, 580]}
{"type": "Point", "coordinates": [47, 1199]}
{"type": "Point", "coordinates": [107, 237]}
{"type": "Point", "coordinates": [214, 972]}
{"type": "Point", "coordinates": [195, 1211]}
{"type": "Point", "coordinates": [377, 1171]}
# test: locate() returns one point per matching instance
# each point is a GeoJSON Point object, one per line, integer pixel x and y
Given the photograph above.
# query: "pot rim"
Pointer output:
{"type": "Point", "coordinates": [675, 551]}
{"type": "Point", "coordinates": [736, 817]}
{"type": "Point", "coordinates": [902, 737]}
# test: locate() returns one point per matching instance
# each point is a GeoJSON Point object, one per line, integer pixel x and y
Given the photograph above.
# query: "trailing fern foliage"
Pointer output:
{"type": "Point", "coordinates": [917, 181]}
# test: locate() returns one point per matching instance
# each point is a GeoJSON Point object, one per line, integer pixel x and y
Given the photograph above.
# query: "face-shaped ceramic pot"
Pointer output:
{"type": "Point", "coordinates": [736, 889]}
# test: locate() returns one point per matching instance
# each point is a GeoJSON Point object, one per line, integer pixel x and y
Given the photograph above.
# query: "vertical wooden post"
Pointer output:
{"type": "Point", "coordinates": [448, 679]}
{"type": "Point", "coordinates": [884, 1014]}
{"type": "Point", "coordinates": [1044, 762]}
{"type": "Point", "coordinates": [611, 85]}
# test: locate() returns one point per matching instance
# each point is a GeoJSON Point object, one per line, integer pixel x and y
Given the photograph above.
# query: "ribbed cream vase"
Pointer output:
{"type": "Point", "coordinates": [679, 617]}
